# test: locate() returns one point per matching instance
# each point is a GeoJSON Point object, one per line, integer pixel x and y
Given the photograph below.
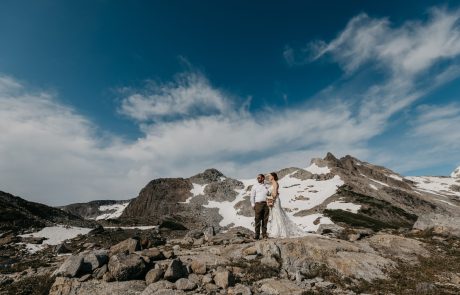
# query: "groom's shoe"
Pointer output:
{"type": "Point", "coordinates": [256, 237]}
{"type": "Point", "coordinates": [265, 237]}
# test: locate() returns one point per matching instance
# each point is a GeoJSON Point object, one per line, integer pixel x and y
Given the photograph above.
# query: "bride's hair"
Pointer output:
{"type": "Point", "coordinates": [275, 176]}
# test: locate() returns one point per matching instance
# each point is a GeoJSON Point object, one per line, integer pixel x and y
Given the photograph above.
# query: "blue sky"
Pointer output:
{"type": "Point", "coordinates": [99, 97]}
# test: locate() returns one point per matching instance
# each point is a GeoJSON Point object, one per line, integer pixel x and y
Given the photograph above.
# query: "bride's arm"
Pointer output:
{"type": "Point", "coordinates": [275, 190]}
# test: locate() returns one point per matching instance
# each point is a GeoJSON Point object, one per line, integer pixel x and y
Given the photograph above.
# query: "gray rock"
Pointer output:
{"type": "Point", "coordinates": [85, 278]}
{"type": "Point", "coordinates": [96, 258]}
{"type": "Point", "coordinates": [127, 267]}
{"type": "Point", "coordinates": [224, 279]}
{"type": "Point", "coordinates": [280, 287]}
{"type": "Point", "coordinates": [72, 267]}
{"type": "Point", "coordinates": [153, 254]}
{"type": "Point", "coordinates": [100, 272]}
{"type": "Point", "coordinates": [185, 284]}
{"type": "Point", "coordinates": [334, 229]}
{"type": "Point", "coordinates": [62, 249]}
{"type": "Point", "coordinates": [440, 224]}
{"type": "Point", "coordinates": [67, 286]}
{"type": "Point", "coordinates": [154, 276]}
{"type": "Point", "coordinates": [162, 286]}
{"type": "Point", "coordinates": [270, 262]}
{"type": "Point", "coordinates": [198, 267]}
{"type": "Point", "coordinates": [127, 246]}
{"type": "Point", "coordinates": [207, 279]}
{"type": "Point", "coordinates": [175, 270]}
{"type": "Point", "coordinates": [239, 289]}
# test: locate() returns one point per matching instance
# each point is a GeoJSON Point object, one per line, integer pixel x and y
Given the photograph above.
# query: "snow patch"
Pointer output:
{"type": "Point", "coordinates": [197, 190]}
{"type": "Point", "coordinates": [373, 187]}
{"type": "Point", "coordinates": [295, 195]}
{"type": "Point", "coordinates": [54, 235]}
{"type": "Point", "coordinates": [456, 173]}
{"type": "Point", "coordinates": [141, 227]}
{"type": "Point", "coordinates": [339, 205]}
{"type": "Point", "coordinates": [435, 185]}
{"type": "Point", "coordinates": [397, 177]}
{"type": "Point", "coordinates": [115, 211]}
{"type": "Point", "coordinates": [315, 169]}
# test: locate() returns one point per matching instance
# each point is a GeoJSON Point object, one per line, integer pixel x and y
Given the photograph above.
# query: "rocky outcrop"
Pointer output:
{"type": "Point", "coordinates": [91, 210]}
{"type": "Point", "coordinates": [440, 224]}
{"type": "Point", "coordinates": [159, 198]}
{"type": "Point", "coordinates": [18, 214]}
{"type": "Point", "coordinates": [68, 286]}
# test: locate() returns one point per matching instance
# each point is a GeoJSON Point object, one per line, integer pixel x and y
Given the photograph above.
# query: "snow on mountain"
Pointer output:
{"type": "Point", "coordinates": [340, 205]}
{"type": "Point", "coordinates": [456, 173]}
{"type": "Point", "coordinates": [315, 169]}
{"type": "Point", "coordinates": [54, 235]}
{"type": "Point", "coordinates": [295, 194]}
{"type": "Point", "coordinates": [112, 211]}
{"type": "Point", "coordinates": [440, 186]}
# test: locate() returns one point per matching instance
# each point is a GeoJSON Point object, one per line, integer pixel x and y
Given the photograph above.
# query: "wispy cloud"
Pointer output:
{"type": "Point", "coordinates": [188, 95]}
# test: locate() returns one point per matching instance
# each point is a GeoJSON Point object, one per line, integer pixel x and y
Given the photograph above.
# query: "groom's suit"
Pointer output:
{"type": "Point", "coordinates": [259, 203]}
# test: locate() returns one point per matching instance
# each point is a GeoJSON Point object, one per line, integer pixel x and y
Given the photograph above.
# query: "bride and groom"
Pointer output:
{"type": "Point", "coordinates": [269, 215]}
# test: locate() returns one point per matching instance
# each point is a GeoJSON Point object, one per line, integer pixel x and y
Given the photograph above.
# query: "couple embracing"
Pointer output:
{"type": "Point", "coordinates": [265, 200]}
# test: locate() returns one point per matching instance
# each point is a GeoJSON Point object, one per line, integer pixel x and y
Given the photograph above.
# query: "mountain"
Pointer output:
{"type": "Point", "coordinates": [97, 210]}
{"type": "Point", "coordinates": [343, 191]}
{"type": "Point", "coordinates": [456, 173]}
{"type": "Point", "coordinates": [18, 214]}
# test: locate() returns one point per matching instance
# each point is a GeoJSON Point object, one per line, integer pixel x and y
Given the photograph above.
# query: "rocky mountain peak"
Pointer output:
{"type": "Point", "coordinates": [456, 173]}
{"type": "Point", "coordinates": [206, 177]}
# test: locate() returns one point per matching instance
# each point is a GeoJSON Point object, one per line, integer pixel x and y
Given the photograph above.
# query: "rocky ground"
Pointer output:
{"type": "Point", "coordinates": [165, 261]}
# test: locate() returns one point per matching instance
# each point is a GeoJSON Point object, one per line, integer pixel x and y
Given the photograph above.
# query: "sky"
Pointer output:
{"type": "Point", "coordinates": [97, 98]}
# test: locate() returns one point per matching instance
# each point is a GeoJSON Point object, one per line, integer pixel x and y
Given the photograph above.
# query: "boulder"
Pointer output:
{"type": "Point", "coordinates": [100, 272]}
{"type": "Point", "coordinates": [198, 267]}
{"type": "Point", "coordinates": [96, 258]}
{"type": "Point", "coordinates": [175, 271]}
{"type": "Point", "coordinates": [67, 286]}
{"type": "Point", "coordinates": [153, 254]}
{"type": "Point", "coordinates": [161, 287]}
{"type": "Point", "coordinates": [154, 276]}
{"type": "Point", "coordinates": [280, 287]}
{"type": "Point", "coordinates": [440, 224]}
{"type": "Point", "coordinates": [270, 262]}
{"type": "Point", "coordinates": [239, 289]}
{"type": "Point", "coordinates": [334, 229]}
{"type": "Point", "coordinates": [185, 284]}
{"type": "Point", "coordinates": [127, 246]}
{"type": "Point", "coordinates": [400, 247]}
{"type": "Point", "coordinates": [224, 279]}
{"type": "Point", "coordinates": [125, 267]}
{"type": "Point", "coordinates": [72, 267]}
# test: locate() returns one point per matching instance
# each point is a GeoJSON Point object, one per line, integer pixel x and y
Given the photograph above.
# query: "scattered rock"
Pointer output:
{"type": "Point", "coordinates": [125, 267]}
{"type": "Point", "coordinates": [127, 246]}
{"type": "Point", "coordinates": [153, 254]}
{"type": "Point", "coordinates": [67, 286]}
{"type": "Point", "coordinates": [154, 276]}
{"type": "Point", "coordinates": [270, 262]}
{"type": "Point", "coordinates": [224, 279]}
{"type": "Point", "coordinates": [71, 267]}
{"type": "Point", "coordinates": [100, 272]}
{"type": "Point", "coordinates": [239, 290]}
{"type": "Point", "coordinates": [280, 287]}
{"type": "Point", "coordinates": [96, 259]}
{"type": "Point", "coordinates": [185, 284]}
{"type": "Point", "coordinates": [175, 270]}
{"type": "Point", "coordinates": [198, 267]}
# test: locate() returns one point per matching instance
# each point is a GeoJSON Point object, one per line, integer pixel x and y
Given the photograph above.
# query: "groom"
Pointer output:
{"type": "Point", "coordinates": [259, 204]}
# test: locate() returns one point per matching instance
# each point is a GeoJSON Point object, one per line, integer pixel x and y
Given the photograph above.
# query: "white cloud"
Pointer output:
{"type": "Point", "coordinates": [407, 50]}
{"type": "Point", "coordinates": [189, 94]}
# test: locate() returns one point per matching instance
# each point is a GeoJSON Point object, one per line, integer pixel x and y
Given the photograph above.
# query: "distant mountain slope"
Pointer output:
{"type": "Point", "coordinates": [456, 173]}
{"type": "Point", "coordinates": [19, 214]}
{"type": "Point", "coordinates": [97, 210]}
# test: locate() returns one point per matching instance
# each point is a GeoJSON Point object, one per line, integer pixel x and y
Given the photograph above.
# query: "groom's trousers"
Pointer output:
{"type": "Point", "coordinates": [262, 212]}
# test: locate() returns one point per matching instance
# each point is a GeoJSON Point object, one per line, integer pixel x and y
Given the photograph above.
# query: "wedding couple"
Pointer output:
{"type": "Point", "coordinates": [266, 203]}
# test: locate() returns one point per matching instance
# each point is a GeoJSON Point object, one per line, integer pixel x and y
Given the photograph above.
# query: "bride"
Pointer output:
{"type": "Point", "coordinates": [279, 223]}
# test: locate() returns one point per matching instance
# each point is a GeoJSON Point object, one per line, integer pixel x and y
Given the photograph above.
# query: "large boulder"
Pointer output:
{"type": "Point", "coordinates": [176, 270]}
{"type": "Point", "coordinates": [96, 259]}
{"type": "Point", "coordinates": [440, 224]}
{"type": "Point", "coordinates": [67, 286]}
{"type": "Point", "coordinates": [224, 279]}
{"type": "Point", "coordinates": [72, 267]}
{"type": "Point", "coordinates": [280, 287]}
{"type": "Point", "coordinates": [124, 267]}
{"type": "Point", "coordinates": [127, 246]}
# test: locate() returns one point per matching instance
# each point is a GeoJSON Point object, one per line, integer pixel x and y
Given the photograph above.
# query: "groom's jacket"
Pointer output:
{"type": "Point", "coordinates": [259, 193]}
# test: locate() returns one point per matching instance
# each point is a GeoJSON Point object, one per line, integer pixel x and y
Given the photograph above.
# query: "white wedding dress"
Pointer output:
{"type": "Point", "coordinates": [279, 223]}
